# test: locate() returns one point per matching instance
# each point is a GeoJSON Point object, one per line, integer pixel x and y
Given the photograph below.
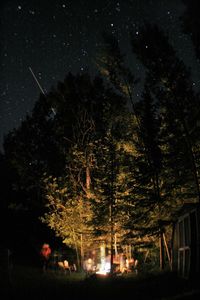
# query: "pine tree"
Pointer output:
{"type": "Point", "coordinates": [191, 23]}
{"type": "Point", "coordinates": [170, 82]}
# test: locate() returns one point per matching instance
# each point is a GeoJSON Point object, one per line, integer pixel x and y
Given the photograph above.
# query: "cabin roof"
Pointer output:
{"type": "Point", "coordinates": [187, 208]}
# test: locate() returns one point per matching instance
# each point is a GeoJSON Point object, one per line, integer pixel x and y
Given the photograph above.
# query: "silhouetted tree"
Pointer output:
{"type": "Point", "coordinates": [170, 82]}
{"type": "Point", "coordinates": [191, 23]}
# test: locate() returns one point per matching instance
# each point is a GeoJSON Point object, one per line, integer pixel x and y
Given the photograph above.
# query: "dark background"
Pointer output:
{"type": "Point", "coordinates": [57, 37]}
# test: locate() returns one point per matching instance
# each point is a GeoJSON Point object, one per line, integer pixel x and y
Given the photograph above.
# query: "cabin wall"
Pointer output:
{"type": "Point", "coordinates": [186, 244]}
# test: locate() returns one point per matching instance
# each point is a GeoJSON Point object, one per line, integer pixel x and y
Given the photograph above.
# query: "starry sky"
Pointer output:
{"type": "Point", "coordinates": [61, 36]}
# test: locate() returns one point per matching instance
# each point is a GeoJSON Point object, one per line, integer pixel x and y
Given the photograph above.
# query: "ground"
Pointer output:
{"type": "Point", "coordinates": [31, 283]}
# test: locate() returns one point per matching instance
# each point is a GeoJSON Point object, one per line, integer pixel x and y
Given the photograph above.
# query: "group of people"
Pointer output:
{"type": "Point", "coordinates": [66, 267]}
{"type": "Point", "coordinates": [130, 265]}
{"type": "Point", "coordinates": [122, 263]}
{"type": "Point", "coordinates": [46, 257]}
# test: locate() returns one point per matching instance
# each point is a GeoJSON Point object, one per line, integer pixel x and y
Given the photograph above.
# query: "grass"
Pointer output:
{"type": "Point", "coordinates": [31, 283]}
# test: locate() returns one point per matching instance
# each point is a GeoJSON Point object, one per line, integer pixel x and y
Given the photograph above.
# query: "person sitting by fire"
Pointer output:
{"type": "Point", "coordinates": [66, 266]}
{"type": "Point", "coordinates": [89, 265]}
{"type": "Point", "coordinates": [136, 266]}
{"type": "Point", "coordinates": [123, 267]}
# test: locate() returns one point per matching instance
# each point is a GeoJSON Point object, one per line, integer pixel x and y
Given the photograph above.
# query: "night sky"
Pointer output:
{"type": "Point", "coordinates": [57, 37]}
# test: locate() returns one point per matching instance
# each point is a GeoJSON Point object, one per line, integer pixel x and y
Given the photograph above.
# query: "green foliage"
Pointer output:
{"type": "Point", "coordinates": [68, 213]}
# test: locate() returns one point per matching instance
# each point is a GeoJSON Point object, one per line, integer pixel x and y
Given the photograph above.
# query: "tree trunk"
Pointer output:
{"type": "Point", "coordinates": [115, 244]}
{"type": "Point", "coordinates": [82, 251]}
{"type": "Point", "coordinates": [112, 155]}
{"type": "Point", "coordinates": [76, 248]}
{"type": "Point", "coordinates": [167, 250]}
{"type": "Point", "coordinates": [102, 254]}
{"type": "Point", "coordinates": [111, 240]}
{"type": "Point", "coordinates": [161, 251]}
{"type": "Point", "coordinates": [88, 178]}
{"type": "Point", "coordinates": [130, 254]}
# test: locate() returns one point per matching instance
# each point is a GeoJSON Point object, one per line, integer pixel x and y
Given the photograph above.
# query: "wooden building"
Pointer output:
{"type": "Point", "coordinates": [186, 241]}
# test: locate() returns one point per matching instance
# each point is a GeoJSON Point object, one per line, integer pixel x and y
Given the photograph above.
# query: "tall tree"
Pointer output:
{"type": "Point", "coordinates": [171, 84]}
{"type": "Point", "coordinates": [93, 115]}
{"type": "Point", "coordinates": [191, 23]}
{"type": "Point", "coordinates": [112, 65]}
